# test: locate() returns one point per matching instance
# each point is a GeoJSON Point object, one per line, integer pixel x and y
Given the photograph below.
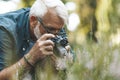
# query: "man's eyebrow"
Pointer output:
{"type": "Point", "coordinates": [50, 27]}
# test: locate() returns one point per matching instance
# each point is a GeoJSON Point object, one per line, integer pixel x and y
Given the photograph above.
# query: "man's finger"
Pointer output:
{"type": "Point", "coordinates": [46, 43]}
{"type": "Point", "coordinates": [49, 48]}
{"type": "Point", "coordinates": [67, 48]}
{"type": "Point", "coordinates": [49, 42]}
{"type": "Point", "coordinates": [46, 36]}
{"type": "Point", "coordinates": [47, 53]}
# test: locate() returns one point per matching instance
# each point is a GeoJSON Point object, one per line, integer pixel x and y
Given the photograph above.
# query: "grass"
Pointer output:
{"type": "Point", "coordinates": [96, 61]}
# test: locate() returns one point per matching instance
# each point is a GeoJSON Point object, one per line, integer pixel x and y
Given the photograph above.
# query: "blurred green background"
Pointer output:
{"type": "Point", "coordinates": [94, 34]}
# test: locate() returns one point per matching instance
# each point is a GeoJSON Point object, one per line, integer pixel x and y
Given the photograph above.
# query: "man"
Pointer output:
{"type": "Point", "coordinates": [25, 35]}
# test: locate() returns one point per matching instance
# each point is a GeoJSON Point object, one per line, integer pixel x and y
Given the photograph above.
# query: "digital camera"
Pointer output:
{"type": "Point", "coordinates": [60, 43]}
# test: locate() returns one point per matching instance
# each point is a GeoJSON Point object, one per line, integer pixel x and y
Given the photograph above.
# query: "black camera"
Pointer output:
{"type": "Point", "coordinates": [60, 43]}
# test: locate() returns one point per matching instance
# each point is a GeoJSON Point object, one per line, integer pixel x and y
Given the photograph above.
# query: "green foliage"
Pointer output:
{"type": "Point", "coordinates": [94, 61]}
{"type": "Point", "coordinates": [27, 3]}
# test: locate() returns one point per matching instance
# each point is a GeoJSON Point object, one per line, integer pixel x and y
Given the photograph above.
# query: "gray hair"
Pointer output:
{"type": "Point", "coordinates": [40, 7]}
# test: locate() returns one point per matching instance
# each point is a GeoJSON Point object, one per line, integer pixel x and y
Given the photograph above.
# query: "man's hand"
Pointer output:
{"type": "Point", "coordinates": [62, 62]}
{"type": "Point", "coordinates": [69, 55]}
{"type": "Point", "coordinates": [43, 47]}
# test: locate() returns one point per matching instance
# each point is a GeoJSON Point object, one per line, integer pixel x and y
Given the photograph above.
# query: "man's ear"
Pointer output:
{"type": "Point", "coordinates": [33, 20]}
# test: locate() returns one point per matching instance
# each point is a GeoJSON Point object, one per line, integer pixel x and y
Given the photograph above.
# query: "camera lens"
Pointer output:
{"type": "Point", "coordinates": [64, 42]}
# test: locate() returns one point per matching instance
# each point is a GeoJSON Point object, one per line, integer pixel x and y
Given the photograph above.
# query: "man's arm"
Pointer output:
{"type": "Point", "coordinates": [41, 48]}
{"type": "Point", "coordinates": [8, 59]}
{"type": "Point", "coordinates": [11, 72]}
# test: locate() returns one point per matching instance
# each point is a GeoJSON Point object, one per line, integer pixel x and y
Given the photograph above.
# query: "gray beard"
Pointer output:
{"type": "Point", "coordinates": [37, 32]}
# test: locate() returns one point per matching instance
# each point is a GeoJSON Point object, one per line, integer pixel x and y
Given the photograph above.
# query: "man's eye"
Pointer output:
{"type": "Point", "coordinates": [51, 29]}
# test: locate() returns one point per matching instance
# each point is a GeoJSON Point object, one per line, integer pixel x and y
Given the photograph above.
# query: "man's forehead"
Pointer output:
{"type": "Point", "coordinates": [52, 17]}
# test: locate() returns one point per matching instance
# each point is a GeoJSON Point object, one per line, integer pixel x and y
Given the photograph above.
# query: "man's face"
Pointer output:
{"type": "Point", "coordinates": [49, 23]}
{"type": "Point", "coordinates": [49, 28]}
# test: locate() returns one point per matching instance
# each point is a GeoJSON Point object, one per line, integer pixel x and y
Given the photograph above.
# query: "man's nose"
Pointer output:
{"type": "Point", "coordinates": [56, 32]}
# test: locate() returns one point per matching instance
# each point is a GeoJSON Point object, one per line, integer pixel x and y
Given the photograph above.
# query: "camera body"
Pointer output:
{"type": "Point", "coordinates": [60, 43]}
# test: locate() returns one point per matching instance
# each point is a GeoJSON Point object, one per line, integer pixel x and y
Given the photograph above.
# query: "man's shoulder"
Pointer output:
{"type": "Point", "coordinates": [14, 14]}
{"type": "Point", "coordinates": [10, 20]}
{"type": "Point", "coordinates": [22, 10]}
{"type": "Point", "coordinates": [19, 11]}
